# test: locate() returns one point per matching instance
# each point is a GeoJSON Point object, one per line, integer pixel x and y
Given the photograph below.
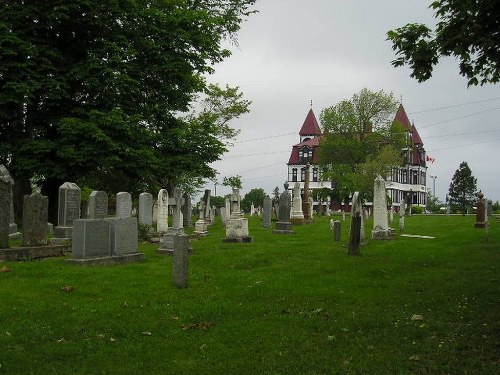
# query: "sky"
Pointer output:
{"type": "Point", "coordinates": [293, 52]}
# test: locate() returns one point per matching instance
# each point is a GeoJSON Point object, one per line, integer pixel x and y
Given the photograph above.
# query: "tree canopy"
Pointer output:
{"type": "Point", "coordinates": [467, 30]}
{"type": "Point", "coordinates": [462, 193]}
{"type": "Point", "coordinates": [255, 196]}
{"type": "Point", "coordinates": [359, 141]}
{"type": "Point", "coordinates": [94, 92]}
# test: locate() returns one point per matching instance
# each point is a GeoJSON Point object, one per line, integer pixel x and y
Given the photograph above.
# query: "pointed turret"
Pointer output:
{"type": "Point", "coordinates": [310, 128]}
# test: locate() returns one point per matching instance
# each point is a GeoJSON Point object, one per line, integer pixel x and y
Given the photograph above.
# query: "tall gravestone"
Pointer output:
{"type": "Point", "coordinates": [297, 217]}
{"type": "Point", "coordinates": [481, 218]}
{"type": "Point", "coordinates": [381, 230]}
{"type": "Point", "coordinates": [167, 240]}
{"type": "Point", "coordinates": [223, 215]}
{"type": "Point", "coordinates": [181, 261]}
{"type": "Point", "coordinates": [267, 212]}
{"type": "Point", "coordinates": [68, 210]}
{"type": "Point", "coordinates": [123, 205]}
{"type": "Point", "coordinates": [187, 211]}
{"type": "Point", "coordinates": [145, 209]}
{"type": "Point", "coordinates": [489, 209]}
{"type": "Point", "coordinates": [284, 225]}
{"type": "Point", "coordinates": [201, 225]}
{"type": "Point", "coordinates": [7, 177]}
{"type": "Point", "coordinates": [5, 199]}
{"type": "Point", "coordinates": [355, 235]}
{"type": "Point", "coordinates": [402, 214]}
{"type": "Point", "coordinates": [98, 205]}
{"type": "Point", "coordinates": [306, 204]}
{"type": "Point", "coordinates": [35, 219]}
{"type": "Point", "coordinates": [237, 225]}
{"type": "Point", "coordinates": [162, 215]}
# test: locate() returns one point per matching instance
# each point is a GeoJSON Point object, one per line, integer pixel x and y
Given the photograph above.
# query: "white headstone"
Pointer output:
{"type": "Point", "coordinates": [162, 215]}
{"type": "Point", "coordinates": [123, 205]}
{"type": "Point", "coordinates": [145, 209]}
{"type": "Point", "coordinates": [380, 221]}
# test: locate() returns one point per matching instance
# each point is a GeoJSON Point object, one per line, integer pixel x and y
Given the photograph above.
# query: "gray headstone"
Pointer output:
{"type": "Point", "coordinates": [402, 214]}
{"type": "Point", "coordinates": [69, 204]}
{"type": "Point", "coordinates": [181, 261]}
{"type": "Point", "coordinates": [205, 212]}
{"type": "Point", "coordinates": [162, 215]}
{"type": "Point", "coordinates": [489, 210]}
{"type": "Point", "coordinates": [5, 199]}
{"type": "Point", "coordinates": [123, 205]}
{"type": "Point", "coordinates": [380, 220]}
{"type": "Point", "coordinates": [266, 218]}
{"type": "Point", "coordinates": [355, 236]}
{"type": "Point", "coordinates": [336, 230]}
{"type": "Point", "coordinates": [176, 204]}
{"type": "Point", "coordinates": [123, 236]}
{"type": "Point", "coordinates": [284, 225]}
{"type": "Point", "coordinates": [146, 209]}
{"type": "Point", "coordinates": [187, 211]}
{"type": "Point", "coordinates": [227, 204]}
{"type": "Point", "coordinates": [98, 205]}
{"type": "Point", "coordinates": [90, 238]}
{"type": "Point", "coordinates": [35, 219]}
{"type": "Point", "coordinates": [7, 177]}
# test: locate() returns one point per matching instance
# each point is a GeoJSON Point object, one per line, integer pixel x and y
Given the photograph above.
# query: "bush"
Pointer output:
{"type": "Point", "coordinates": [417, 210]}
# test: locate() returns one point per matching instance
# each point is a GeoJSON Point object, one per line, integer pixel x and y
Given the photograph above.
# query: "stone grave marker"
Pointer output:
{"type": "Point", "coordinates": [402, 214]}
{"type": "Point", "coordinates": [187, 211]}
{"type": "Point", "coordinates": [284, 225]}
{"type": "Point", "coordinates": [35, 219]}
{"type": "Point", "coordinates": [355, 238]}
{"type": "Point", "coordinates": [481, 218]}
{"type": "Point", "coordinates": [12, 225]}
{"type": "Point", "coordinates": [297, 217]}
{"type": "Point", "coordinates": [237, 225]}
{"type": "Point", "coordinates": [145, 209]}
{"type": "Point", "coordinates": [162, 219]}
{"type": "Point", "coordinates": [380, 222]}
{"type": "Point", "coordinates": [123, 205]}
{"type": "Point", "coordinates": [98, 205]}
{"type": "Point", "coordinates": [5, 199]}
{"type": "Point", "coordinates": [267, 212]}
{"type": "Point", "coordinates": [181, 261]}
{"type": "Point", "coordinates": [68, 210]}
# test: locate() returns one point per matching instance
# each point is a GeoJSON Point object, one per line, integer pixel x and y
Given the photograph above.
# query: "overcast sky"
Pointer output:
{"type": "Point", "coordinates": [295, 51]}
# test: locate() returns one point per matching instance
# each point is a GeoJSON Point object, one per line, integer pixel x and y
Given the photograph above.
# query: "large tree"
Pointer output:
{"type": "Point", "coordinates": [466, 29]}
{"type": "Point", "coordinates": [91, 91]}
{"type": "Point", "coordinates": [255, 197]}
{"type": "Point", "coordinates": [359, 142]}
{"type": "Point", "coordinates": [462, 193]}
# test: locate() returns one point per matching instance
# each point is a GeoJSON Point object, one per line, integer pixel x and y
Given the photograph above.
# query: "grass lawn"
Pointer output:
{"type": "Point", "coordinates": [281, 305]}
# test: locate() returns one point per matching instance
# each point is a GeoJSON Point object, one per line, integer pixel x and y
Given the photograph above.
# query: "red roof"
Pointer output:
{"type": "Point", "coordinates": [310, 126]}
{"type": "Point", "coordinates": [416, 157]}
{"type": "Point", "coordinates": [415, 136]}
{"type": "Point", "coordinates": [311, 143]}
{"type": "Point", "coordinates": [402, 118]}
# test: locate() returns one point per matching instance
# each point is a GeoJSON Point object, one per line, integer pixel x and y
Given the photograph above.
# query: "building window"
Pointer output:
{"type": "Point", "coordinates": [305, 155]}
{"type": "Point", "coordinates": [294, 174]}
{"type": "Point", "coordinates": [415, 177]}
{"type": "Point", "coordinates": [315, 174]}
{"type": "Point", "coordinates": [302, 174]}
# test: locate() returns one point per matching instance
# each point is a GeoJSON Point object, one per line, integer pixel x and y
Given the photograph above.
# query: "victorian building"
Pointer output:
{"type": "Point", "coordinates": [407, 181]}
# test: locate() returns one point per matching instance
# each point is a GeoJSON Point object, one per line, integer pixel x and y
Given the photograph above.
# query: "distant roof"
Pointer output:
{"type": "Point", "coordinates": [310, 126]}
{"type": "Point", "coordinates": [312, 143]}
{"type": "Point", "coordinates": [402, 118]}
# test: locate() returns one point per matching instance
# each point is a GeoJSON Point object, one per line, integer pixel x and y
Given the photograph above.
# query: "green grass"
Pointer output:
{"type": "Point", "coordinates": [280, 305]}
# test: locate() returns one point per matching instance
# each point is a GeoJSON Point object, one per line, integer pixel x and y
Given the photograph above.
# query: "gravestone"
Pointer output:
{"type": "Point", "coordinates": [252, 209]}
{"type": "Point", "coordinates": [311, 205]}
{"type": "Point", "coordinates": [266, 216]}
{"type": "Point", "coordinates": [381, 229]}
{"type": "Point", "coordinates": [145, 209]}
{"type": "Point", "coordinates": [343, 215]}
{"type": "Point", "coordinates": [306, 204]}
{"type": "Point", "coordinates": [10, 181]}
{"type": "Point", "coordinates": [35, 220]}
{"type": "Point", "coordinates": [284, 225]}
{"type": "Point", "coordinates": [167, 240]}
{"type": "Point", "coordinates": [336, 228]}
{"type": "Point", "coordinates": [123, 205]}
{"type": "Point", "coordinates": [155, 212]}
{"type": "Point", "coordinates": [162, 219]}
{"type": "Point", "coordinates": [105, 241]}
{"type": "Point", "coordinates": [227, 204]}
{"type": "Point", "coordinates": [201, 225]}
{"type": "Point", "coordinates": [489, 210]}
{"type": "Point", "coordinates": [391, 215]}
{"type": "Point", "coordinates": [402, 214]}
{"type": "Point", "coordinates": [187, 211]}
{"type": "Point", "coordinates": [237, 225]}
{"type": "Point", "coordinates": [481, 218]}
{"type": "Point", "coordinates": [181, 261]}
{"type": "Point", "coordinates": [297, 217]}
{"type": "Point", "coordinates": [5, 199]}
{"type": "Point", "coordinates": [223, 215]}
{"type": "Point", "coordinates": [68, 210]}
{"type": "Point", "coordinates": [98, 205]}
{"type": "Point", "coordinates": [355, 236]}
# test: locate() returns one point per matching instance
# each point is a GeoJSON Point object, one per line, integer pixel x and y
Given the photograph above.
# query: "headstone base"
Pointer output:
{"type": "Point", "coordinates": [167, 241]}
{"type": "Point", "coordinates": [109, 261]}
{"type": "Point", "coordinates": [381, 234]}
{"type": "Point", "coordinates": [200, 228]}
{"type": "Point", "coordinates": [283, 228]}
{"type": "Point", "coordinates": [297, 220]}
{"type": "Point", "coordinates": [33, 252]}
{"type": "Point", "coordinates": [62, 234]}
{"type": "Point", "coordinates": [246, 239]}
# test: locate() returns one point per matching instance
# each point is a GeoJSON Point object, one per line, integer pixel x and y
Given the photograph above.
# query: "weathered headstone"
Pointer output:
{"type": "Point", "coordinates": [8, 178]}
{"type": "Point", "coordinates": [98, 205]}
{"type": "Point", "coordinates": [181, 261]}
{"type": "Point", "coordinates": [123, 205]}
{"type": "Point", "coordinates": [68, 211]}
{"type": "Point", "coordinates": [306, 204]}
{"type": "Point", "coordinates": [91, 238]}
{"type": "Point", "coordinates": [145, 209]}
{"type": "Point", "coordinates": [481, 218]}
{"type": "Point", "coordinates": [237, 225]}
{"type": "Point", "coordinates": [343, 215]}
{"type": "Point", "coordinates": [123, 236]}
{"type": "Point", "coordinates": [381, 229]}
{"type": "Point", "coordinates": [5, 199]}
{"type": "Point", "coordinates": [391, 215]}
{"type": "Point", "coordinates": [284, 225]}
{"type": "Point", "coordinates": [187, 211]}
{"type": "Point", "coordinates": [297, 217]}
{"type": "Point", "coordinates": [167, 239]}
{"type": "Point", "coordinates": [402, 214]}
{"type": "Point", "coordinates": [162, 215]}
{"type": "Point", "coordinates": [223, 215]}
{"type": "Point", "coordinates": [489, 209]}
{"type": "Point", "coordinates": [201, 225]}
{"type": "Point", "coordinates": [252, 209]}
{"type": "Point", "coordinates": [227, 204]}
{"type": "Point", "coordinates": [336, 227]}
{"type": "Point", "coordinates": [266, 218]}
{"type": "Point", "coordinates": [35, 219]}
{"type": "Point", "coordinates": [356, 220]}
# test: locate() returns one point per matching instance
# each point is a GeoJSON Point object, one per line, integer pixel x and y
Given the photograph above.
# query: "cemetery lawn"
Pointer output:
{"type": "Point", "coordinates": [292, 304]}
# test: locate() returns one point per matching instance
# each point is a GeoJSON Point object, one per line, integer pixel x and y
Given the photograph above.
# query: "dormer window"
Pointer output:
{"type": "Point", "coordinates": [305, 155]}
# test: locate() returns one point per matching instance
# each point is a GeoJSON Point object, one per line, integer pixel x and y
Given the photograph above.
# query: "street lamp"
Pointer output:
{"type": "Point", "coordinates": [433, 185]}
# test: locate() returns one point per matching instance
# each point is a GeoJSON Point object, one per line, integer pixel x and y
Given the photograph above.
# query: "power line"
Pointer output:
{"type": "Point", "coordinates": [466, 145]}
{"type": "Point", "coordinates": [454, 106]}
{"type": "Point", "coordinates": [458, 134]}
{"type": "Point", "coordinates": [273, 136]}
{"type": "Point", "coordinates": [257, 154]}
{"type": "Point", "coordinates": [459, 118]}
